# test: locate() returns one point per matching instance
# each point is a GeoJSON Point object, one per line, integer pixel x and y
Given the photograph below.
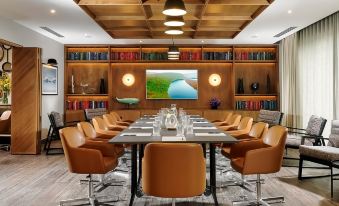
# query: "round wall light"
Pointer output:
{"type": "Point", "coordinates": [214, 80]}
{"type": "Point", "coordinates": [128, 79]}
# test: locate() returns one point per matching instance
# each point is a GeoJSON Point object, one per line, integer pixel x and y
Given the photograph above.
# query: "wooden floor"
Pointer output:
{"type": "Point", "coordinates": [45, 180]}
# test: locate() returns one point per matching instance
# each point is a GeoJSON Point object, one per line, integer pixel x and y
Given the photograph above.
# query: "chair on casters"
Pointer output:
{"type": "Point", "coordinates": [111, 123]}
{"type": "Point", "coordinates": [119, 119]}
{"type": "Point", "coordinates": [86, 159]}
{"type": "Point", "coordinates": [325, 155]}
{"type": "Point", "coordinates": [228, 115]}
{"type": "Point", "coordinates": [247, 159]}
{"type": "Point", "coordinates": [184, 177]}
{"type": "Point", "coordinates": [244, 127]}
{"type": "Point", "coordinates": [231, 124]}
{"type": "Point", "coordinates": [5, 130]}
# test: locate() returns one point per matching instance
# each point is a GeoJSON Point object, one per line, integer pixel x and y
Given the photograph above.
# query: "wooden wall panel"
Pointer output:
{"type": "Point", "coordinates": [26, 92]}
{"type": "Point", "coordinates": [205, 91]}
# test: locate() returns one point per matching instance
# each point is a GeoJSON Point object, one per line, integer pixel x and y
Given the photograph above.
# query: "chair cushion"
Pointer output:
{"type": "Point", "coordinates": [333, 140]}
{"type": "Point", "coordinates": [58, 119]}
{"type": "Point", "coordinates": [320, 152]}
{"type": "Point", "coordinates": [270, 117]}
{"type": "Point", "coordinates": [91, 113]}
{"type": "Point", "coordinates": [315, 125]}
{"type": "Point", "coordinates": [294, 140]}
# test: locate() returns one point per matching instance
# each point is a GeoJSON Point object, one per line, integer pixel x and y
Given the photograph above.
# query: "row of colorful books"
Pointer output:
{"type": "Point", "coordinates": [125, 56]}
{"type": "Point", "coordinates": [187, 55]}
{"type": "Point", "coordinates": [255, 55]}
{"type": "Point", "coordinates": [218, 55]}
{"type": "Point", "coordinates": [155, 56]}
{"type": "Point", "coordinates": [77, 105]}
{"type": "Point", "coordinates": [87, 55]}
{"type": "Point", "coordinates": [256, 105]}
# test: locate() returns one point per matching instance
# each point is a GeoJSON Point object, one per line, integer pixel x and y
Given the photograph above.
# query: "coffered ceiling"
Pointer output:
{"type": "Point", "coordinates": [143, 19]}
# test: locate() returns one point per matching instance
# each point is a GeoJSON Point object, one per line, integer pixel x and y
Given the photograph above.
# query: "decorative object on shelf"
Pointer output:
{"type": "Point", "coordinates": [102, 86]}
{"type": "Point", "coordinates": [214, 80]}
{"type": "Point", "coordinates": [49, 79]}
{"type": "Point", "coordinates": [240, 89]}
{"type": "Point", "coordinates": [72, 84]}
{"type": "Point", "coordinates": [5, 86]}
{"type": "Point", "coordinates": [174, 8]}
{"type": "Point", "coordinates": [83, 87]}
{"type": "Point", "coordinates": [214, 103]}
{"type": "Point", "coordinates": [1, 53]}
{"type": "Point", "coordinates": [254, 87]}
{"type": "Point", "coordinates": [171, 119]}
{"type": "Point", "coordinates": [268, 84]}
{"type": "Point", "coordinates": [128, 79]}
{"type": "Point", "coordinates": [7, 66]}
{"type": "Point", "coordinates": [128, 101]}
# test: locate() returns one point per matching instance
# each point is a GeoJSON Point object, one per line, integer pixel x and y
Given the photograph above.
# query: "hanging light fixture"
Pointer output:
{"type": "Point", "coordinates": [174, 31]}
{"type": "Point", "coordinates": [174, 8]}
{"type": "Point", "coordinates": [174, 21]}
{"type": "Point", "coordinates": [173, 52]}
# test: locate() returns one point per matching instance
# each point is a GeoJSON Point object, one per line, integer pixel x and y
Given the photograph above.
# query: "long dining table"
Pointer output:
{"type": "Point", "coordinates": [139, 134]}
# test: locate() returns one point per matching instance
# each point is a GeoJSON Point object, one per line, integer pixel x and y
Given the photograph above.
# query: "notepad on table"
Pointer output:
{"type": "Point", "coordinates": [204, 127]}
{"type": "Point", "coordinates": [136, 127]}
{"type": "Point", "coordinates": [137, 134]}
{"type": "Point", "coordinates": [210, 134]}
{"type": "Point", "coordinates": [173, 138]}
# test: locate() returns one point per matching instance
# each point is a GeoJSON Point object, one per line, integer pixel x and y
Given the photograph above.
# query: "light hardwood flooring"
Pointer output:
{"type": "Point", "coordinates": [44, 180]}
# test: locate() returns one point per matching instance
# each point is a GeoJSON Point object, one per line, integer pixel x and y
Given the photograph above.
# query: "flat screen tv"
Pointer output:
{"type": "Point", "coordinates": [172, 84]}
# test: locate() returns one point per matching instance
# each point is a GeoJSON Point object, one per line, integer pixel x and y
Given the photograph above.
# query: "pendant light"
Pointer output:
{"type": "Point", "coordinates": [174, 21]}
{"type": "Point", "coordinates": [174, 8]}
{"type": "Point", "coordinates": [174, 31]}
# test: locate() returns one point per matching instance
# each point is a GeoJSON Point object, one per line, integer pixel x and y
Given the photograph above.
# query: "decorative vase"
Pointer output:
{"type": "Point", "coordinates": [254, 87]}
{"type": "Point", "coordinates": [102, 86]}
{"type": "Point", "coordinates": [5, 98]}
{"type": "Point", "coordinates": [171, 120]}
{"type": "Point", "coordinates": [268, 84]}
{"type": "Point", "coordinates": [240, 86]}
{"type": "Point", "coordinates": [214, 107]}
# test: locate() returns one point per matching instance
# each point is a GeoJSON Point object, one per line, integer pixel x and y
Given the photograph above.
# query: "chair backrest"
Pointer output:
{"type": "Point", "coordinates": [316, 125]}
{"type": "Point", "coordinates": [334, 136]}
{"type": "Point", "coordinates": [87, 129]}
{"type": "Point", "coordinates": [258, 130]}
{"type": "Point", "coordinates": [185, 176]}
{"type": "Point", "coordinates": [116, 115]}
{"type": "Point", "coordinates": [245, 123]}
{"type": "Point", "coordinates": [109, 119]}
{"type": "Point", "coordinates": [270, 117]}
{"type": "Point", "coordinates": [99, 124]}
{"type": "Point", "coordinates": [91, 113]}
{"type": "Point", "coordinates": [228, 116]}
{"type": "Point", "coordinates": [5, 115]}
{"type": "Point", "coordinates": [234, 120]}
{"type": "Point", "coordinates": [56, 119]}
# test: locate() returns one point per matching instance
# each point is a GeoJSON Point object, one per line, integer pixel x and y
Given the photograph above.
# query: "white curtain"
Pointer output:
{"type": "Point", "coordinates": [310, 66]}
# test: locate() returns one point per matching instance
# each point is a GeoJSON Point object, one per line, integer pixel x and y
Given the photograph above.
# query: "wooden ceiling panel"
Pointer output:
{"type": "Point", "coordinates": [213, 19]}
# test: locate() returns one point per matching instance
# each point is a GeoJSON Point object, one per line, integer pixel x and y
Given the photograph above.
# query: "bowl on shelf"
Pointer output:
{"type": "Point", "coordinates": [128, 101]}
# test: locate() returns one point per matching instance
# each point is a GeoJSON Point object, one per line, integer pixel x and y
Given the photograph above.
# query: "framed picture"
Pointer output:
{"type": "Point", "coordinates": [49, 80]}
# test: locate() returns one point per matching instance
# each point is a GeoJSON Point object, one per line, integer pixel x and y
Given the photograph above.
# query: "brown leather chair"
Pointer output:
{"type": "Point", "coordinates": [5, 130]}
{"type": "Point", "coordinates": [112, 124]}
{"type": "Point", "coordinates": [83, 158]}
{"type": "Point", "coordinates": [228, 116]}
{"type": "Point", "coordinates": [263, 156]}
{"type": "Point", "coordinates": [244, 127]}
{"type": "Point", "coordinates": [101, 127]}
{"type": "Point", "coordinates": [91, 135]}
{"type": "Point", "coordinates": [119, 119]}
{"type": "Point", "coordinates": [184, 177]}
{"type": "Point", "coordinates": [232, 123]}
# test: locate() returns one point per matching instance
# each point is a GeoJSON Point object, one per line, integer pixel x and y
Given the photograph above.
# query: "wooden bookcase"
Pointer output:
{"type": "Point", "coordinates": [88, 64]}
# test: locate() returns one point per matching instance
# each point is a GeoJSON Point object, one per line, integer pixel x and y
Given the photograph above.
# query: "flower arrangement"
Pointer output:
{"type": "Point", "coordinates": [5, 82]}
{"type": "Point", "coordinates": [214, 103]}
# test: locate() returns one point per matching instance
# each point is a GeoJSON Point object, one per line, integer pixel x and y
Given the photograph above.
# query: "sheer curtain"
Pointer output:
{"type": "Point", "coordinates": [312, 70]}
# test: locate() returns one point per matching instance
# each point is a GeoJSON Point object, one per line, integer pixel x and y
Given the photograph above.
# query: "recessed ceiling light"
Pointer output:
{"type": "Point", "coordinates": [52, 11]}
{"type": "Point", "coordinates": [140, 41]}
{"type": "Point", "coordinates": [255, 36]}
{"type": "Point", "coordinates": [202, 41]}
{"type": "Point", "coordinates": [87, 35]}
{"type": "Point", "coordinates": [289, 11]}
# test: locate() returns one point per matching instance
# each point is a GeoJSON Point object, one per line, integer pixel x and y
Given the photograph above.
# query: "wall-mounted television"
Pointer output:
{"type": "Point", "coordinates": [172, 84]}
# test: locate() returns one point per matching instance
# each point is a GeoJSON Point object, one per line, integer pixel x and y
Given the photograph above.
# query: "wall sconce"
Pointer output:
{"type": "Point", "coordinates": [128, 79]}
{"type": "Point", "coordinates": [214, 80]}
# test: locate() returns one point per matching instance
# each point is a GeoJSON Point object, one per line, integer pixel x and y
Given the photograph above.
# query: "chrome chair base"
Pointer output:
{"type": "Point", "coordinates": [93, 201]}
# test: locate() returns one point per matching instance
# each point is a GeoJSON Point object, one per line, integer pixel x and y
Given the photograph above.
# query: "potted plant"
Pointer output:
{"type": "Point", "coordinates": [5, 86]}
{"type": "Point", "coordinates": [214, 103]}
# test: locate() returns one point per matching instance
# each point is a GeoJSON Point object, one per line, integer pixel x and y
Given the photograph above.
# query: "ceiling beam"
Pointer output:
{"type": "Point", "coordinates": [162, 18]}
{"type": "Point", "coordinates": [147, 15]}
{"type": "Point", "coordinates": [202, 13]}
{"type": "Point", "coordinates": [226, 18]}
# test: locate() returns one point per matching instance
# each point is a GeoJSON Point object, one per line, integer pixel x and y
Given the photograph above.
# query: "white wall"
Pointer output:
{"type": "Point", "coordinates": [14, 32]}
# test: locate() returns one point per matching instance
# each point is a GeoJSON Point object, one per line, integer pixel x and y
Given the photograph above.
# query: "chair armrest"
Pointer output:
{"type": "Point", "coordinates": [315, 137]}
{"type": "Point", "coordinates": [105, 148]}
{"type": "Point", "coordinates": [107, 134]}
{"type": "Point", "coordinates": [294, 128]}
{"type": "Point", "coordinates": [254, 163]}
{"type": "Point", "coordinates": [236, 133]}
{"type": "Point", "coordinates": [294, 132]}
{"type": "Point", "coordinates": [239, 149]}
{"type": "Point", "coordinates": [226, 128]}
{"type": "Point", "coordinates": [94, 161]}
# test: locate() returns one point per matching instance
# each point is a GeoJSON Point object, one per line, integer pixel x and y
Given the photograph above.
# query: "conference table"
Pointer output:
{"type": "Point", "coordinates": [139, 134]}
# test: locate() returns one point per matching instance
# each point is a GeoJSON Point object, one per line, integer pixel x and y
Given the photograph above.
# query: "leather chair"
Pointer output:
{"type": "Point", "coordinates": [112, 124]}
{"type": "Point", "coordinates": [228, 115]}
{"type": "Point", "coordinates": [244, 127]}
{"type": "Point", "coordinates": [184, 177]}
{"type": "Point", "coordinates": [102, 129]}
{"type": "Point", "coordinates": [119, 119]}
{"type": "Point", "coordinates": [232, 123]}
{"type": "Point", "coordinates": [83, 158]}
{"type": "Point", "coordinates": [263, 156]}
{"type": "Point", "coordinates": [5, 130]}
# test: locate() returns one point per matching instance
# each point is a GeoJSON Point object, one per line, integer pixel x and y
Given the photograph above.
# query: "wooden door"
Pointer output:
{"type": "Point", "coordinates": [26, 93]}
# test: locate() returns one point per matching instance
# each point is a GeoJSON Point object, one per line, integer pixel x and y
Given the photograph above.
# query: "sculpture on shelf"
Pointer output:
{"type": "Point", "coordinates": [268, 84]}
{"type": "Point", "coordinates": [240, 89]}
{"type": "Point", "coordinates": [102, 88]}
{"type": "Point", "coordinates": [128, 101]}
{"type": "Point", "coordinates": [255, 87]}
{"type": "Point", "coordinates": [83, 87]}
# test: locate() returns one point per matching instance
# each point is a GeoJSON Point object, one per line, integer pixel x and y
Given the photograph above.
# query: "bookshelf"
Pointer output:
{"type": "Point", "coordinates": [89, 64]}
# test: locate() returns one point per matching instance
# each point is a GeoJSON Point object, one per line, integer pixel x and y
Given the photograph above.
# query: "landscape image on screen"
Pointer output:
{"type": "Point", "coordinates": [171, 84]}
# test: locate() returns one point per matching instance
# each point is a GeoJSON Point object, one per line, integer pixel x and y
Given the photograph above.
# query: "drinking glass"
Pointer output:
{"type": "Point", "coordinates": [180, 129]}
{"type": "Point", "coordinates": [156, 128]}
{"type": "Point", "coordinates": [189, 127]}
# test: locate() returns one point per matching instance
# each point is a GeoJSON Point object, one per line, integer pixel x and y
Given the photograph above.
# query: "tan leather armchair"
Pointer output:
{"type": "Point", "coordinates": [228, 116]}
{"type": "Point", "coordinates": [232, 123]}
{"type": "Point", "coordinates": [173, 170]}
{"type": "Point", "coordinates": [111, 123]}
{"type": "Point", "coordinates": [91, 135]}
{"type": "Point", "coordinates": [101, 127]}
{"type": "Point", "coordinates": [85, 159]}
{"type": "Point", "coordinates": [244, 127]}
{"type": "Point", "coordinates": [5, 130]}
{"type": "Point", "coordinates": [263, 156]}
{"type": "Point", "coordinates": [117, 116]}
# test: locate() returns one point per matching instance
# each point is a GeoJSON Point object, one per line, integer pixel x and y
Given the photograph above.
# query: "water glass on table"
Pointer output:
{"type": "Point", "coordinates": [189, 127]}
{"type": "Point", "coordinates": [180, 129]}
{"type": "Point", "coordinates": [156, 128]}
